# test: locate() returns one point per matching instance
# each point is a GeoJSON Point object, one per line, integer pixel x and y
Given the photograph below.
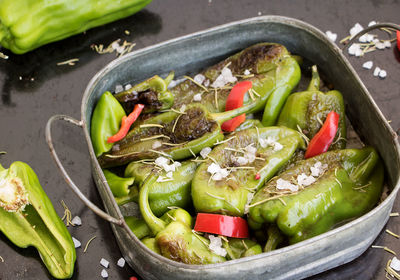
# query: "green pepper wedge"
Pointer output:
{"type": "Point", "coordinates": [28, 218]}
{"type": "Point", "coordinates": [175, 239]}
{"type": "Point", "coordinates": [174, 191]}
{"type": "Point", "coordinates": [274, 73]}
{"type": "Point", "coordinates": [152, 93]}
{"type": "Point", "coordinates": [230, 194]}
{"type": "Point", "coordinates": [308, 109]}
{"type": "Point", "coordinates": [179, 135]}
{"type": "Point", "coordinates": [350, 185]}
{"type": "Point", "coordinates": [28, 24]}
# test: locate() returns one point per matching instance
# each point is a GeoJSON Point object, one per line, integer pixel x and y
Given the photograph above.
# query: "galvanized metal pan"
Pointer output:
{"type": "Point", "coordinates": [194, 52]}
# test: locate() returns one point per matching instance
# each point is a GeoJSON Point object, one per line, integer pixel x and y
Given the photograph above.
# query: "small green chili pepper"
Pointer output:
{"type": "Point", "coordinates": [308, 109]}
{"type": "Point", "coordinates": [106, 120]}
{"type": "Point", "coordinates": [28, 218]}
{"type": "Point", "coordinates": [250, 157]}
{"type": "Point", "coordinates": [175, 239]}
{"type": "Point", "coordinates": [153, 93]}
{"type": "Point", "coordinates": [119, 185]}
{"type": "Point", "coordinates": [349, 183]}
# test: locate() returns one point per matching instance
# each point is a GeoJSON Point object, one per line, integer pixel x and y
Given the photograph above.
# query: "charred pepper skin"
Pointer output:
{"type": "Point", "coordinates": [29, 219]}
{"type": "Point", "coordinates": [175, 239]}
{"type": "Point", "coordinates": [229, 197]}
{"type": "Point", "coordinates": [350, 187]}
{"type": "Point", "coordinates": [307, 108]}
{"type": "Point", "coordinates": [28, 24]}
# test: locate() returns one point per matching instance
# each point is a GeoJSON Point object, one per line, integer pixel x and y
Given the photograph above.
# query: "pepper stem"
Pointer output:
{"type": "Point", "coordinates": [155, 224]}
{"type": "Point", "coordinates": [315, 80]}
{"type": "Point", "coordinates": [169, 78]}
{"type": "Point", "coordinates": [226, 116]}
{"type": "Point", "coordinates": [274, 238]}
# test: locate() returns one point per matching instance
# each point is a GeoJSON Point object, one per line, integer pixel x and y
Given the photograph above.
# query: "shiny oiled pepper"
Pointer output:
{"type": "Point", "coordinates": [175, 239]}
{"type": "Point", "coordinates": [153, 93]}
{"type": "Point", "coordinates": [178, 135]}
{"type": "Point", "coordinates": [274, 147]}
{"type": "Point", "coordinates": [106, 120]}
{"type": "Point", "coordinates": [119, 185]}
{"type": "Point", "coordinates": [273, 73]}
{"type": "Point", "coordinates": [349, 185]}
{"type": "Point", "coordinates": [174, 191]}
{"type": "Point", "coordinates": [28, 218]}
{"type": "Point", "coordinates": [28, 24]}
{"type": "Point", "coordinates": [237, 248]}
{"type": "Point", "coordinates": [308, 109]}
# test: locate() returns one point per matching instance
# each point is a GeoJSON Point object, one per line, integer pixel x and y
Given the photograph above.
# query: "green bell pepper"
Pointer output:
{"type": "Point", "coordinates": [28, 24]}
{"type": "Point", "coordinates": [174, 191]}
{"type": "Point", "coordinates": [106, 120]}
{"type": "Point", "coordinates": [179, 135]}
{"type": "Point", "coordinates": [274, 73]}
{"type": "Point", "coordinates": [308, 109]}
{"type": "Point", "coordinates": [348, 186]}
{"type": "Point", "coordinates": [28, 218]}
{"type": "Point", "coordinates": [229, 195]}
{"type": "Point", "coordinates": [175, 239]}
{"type": "Point", "coordinates": [152, 93]}
{"type": "Point", "coordinates": [119, 185]}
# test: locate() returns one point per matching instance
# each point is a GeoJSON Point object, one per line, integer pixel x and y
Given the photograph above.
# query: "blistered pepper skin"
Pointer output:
{"type": "Point", "coordinates": [28, 24]}
{"type": "Point", "coordinates": [351, 186]}
{"type": "Point", "coordinates": [36, 224]}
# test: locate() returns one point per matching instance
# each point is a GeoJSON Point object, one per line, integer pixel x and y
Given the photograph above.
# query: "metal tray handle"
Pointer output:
{"type": "Point", "coordinates": [69, 181]}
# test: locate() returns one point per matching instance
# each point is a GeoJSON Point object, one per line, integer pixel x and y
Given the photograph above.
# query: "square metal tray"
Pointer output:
{"type": "Point", "coordinates": [194, 52]}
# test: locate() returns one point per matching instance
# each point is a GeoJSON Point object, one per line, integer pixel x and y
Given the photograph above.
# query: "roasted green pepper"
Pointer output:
{"type": "Point", "coordinates": [240, 166]}
{"type": "Point", "coordinates": [119, 185]}
{"type": "Point", "coordinates": [106, 120]}
{"type": "Point", "coordinates": [318, 193]}
{"type": "Point", "coordinates": [308, 109]}
{"type": "Point", "coordinates": [28, 24]}
{"type": "Point", "coordinates": [175, 134]}
{"type": "Point", "coordinates": [237, 248]}
{"type": "Point", "coordinates": [152, 93]}
{"type": "Point", "coordinates": [175, 239]}
{"type": "Point", "coordinates": [28, 218]}
{"type": "Point", "coordinates": [271, 69]}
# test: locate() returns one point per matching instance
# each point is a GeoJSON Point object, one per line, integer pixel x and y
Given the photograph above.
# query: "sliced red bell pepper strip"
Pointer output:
{"type": "Point", "coordinates": [222, 225]}
{"type": "Point", "coordinates": [323, 139]}
{"type": "Point", "coordinates": [398, 39]}
{"type": "Point", "coordinates": [234, 101]}
{"type": "Point", "coordinates": [126, 123]}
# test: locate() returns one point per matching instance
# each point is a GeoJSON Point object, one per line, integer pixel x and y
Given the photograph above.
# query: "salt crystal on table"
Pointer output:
{"type": "Point", "coordinates": [387, 44]}
{"type": "Point", "coordinates": [395, 264]}
{"type": "Point", "coordinates": [332, 36]}
{"type": "Point", "coordinates": [77, 221]}
{"type": "Point", "coordinates": [104, 262]}
{"type": "Point", "coordinates": [121, 262]}
{"type": "Point", "coordinates": [356, 29]}
{"type": "Point", "coordinates": [376, 71]}
{"type": "Point", "coordinates": [104, 273]}
{"type": "Point", "coordinates": [77, 243]}
{"type": "Point", "coordinates": [380, 45]}
{"type": "Point", "coordinates": [382, 74]}
{"type": "Point", "coordinates": [368, 65]}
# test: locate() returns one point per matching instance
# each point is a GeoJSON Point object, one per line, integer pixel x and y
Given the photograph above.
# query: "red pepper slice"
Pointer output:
{"type": "Point", "coordinates": [222, 225]}
{"type": "Point", "coordinates": [398, 39]}
{"type": "Point", "coordinates": [126, 123]}
{"type": "Point", "coordinates": [323, 139]}
{"type": "Point", "coordinates": [234, 101]}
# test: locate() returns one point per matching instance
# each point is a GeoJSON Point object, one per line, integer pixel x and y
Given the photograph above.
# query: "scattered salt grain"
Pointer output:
{"type": "Point", "coordinates": [77, 243]}
{"type": "Point", "coordinates": [332, 36]}
{"type": "Point", "coordinates": [395, 264]}
{"type": "Point", "coordinates": [197, 97]}
{"type": "Point", "coordinates": [246, 72]}
{"type": "Point", "coordinates": [242, 160]}
{"type": "Point", "coordinates": [286, 185]}
{"type": "Point", "coordinates": [199, 78]}
{"type": "Point", "coordinates": [121, 262]}
{"type": "Point", "coordinates": [160, 161]}
{"type": "Point", "coordinates": [216, 245]}
{"type": "Point", "coordinates": [205, 151]}
{"type": "Point", "coordinates": [119, 88]}
{"type": "Point", "coordinates": [277, 146]}
{"type": "Point", "coordinates": [376, 71]}
{"type": "Point", "coordinates": [354, 49]}
{"type": "Point", "coordinates": [224, 78]}
{"type": "Point", "coordinates": [174, 83]}
{"type": "Point", "coordinates": [183, 108]}
{"type": "Point", "coordinates": [76, 221]}
{"type": "Point", "coordinates": [207, 83]}
{"type": "Point", "coordinates": [356, 29]}
{"type": "Point", "coordinates": [304, 180]}
{"type": "Point", "coordinates": [217, 173]}
{"type": "Point", "coordinates": [169, 175]}
{"type": "Point", "coordinates": [104, 273]}
{"type": "Point", "coordinates": [368, 65]}
{"type": "Point", "coordinates": [387, 44]}
{"type": "Point", "coordinates": [156, 144]}
{"type": "Point", "coordinates": [318, 169]}
{"type": "Point", "coordinates": [128, 86]}
{"type": "Point", "coordinates": [380, 45]}
{"type": "Point", "coordinates": [104, 262]}
{"type": "Point", "coordinates": [382, 74]}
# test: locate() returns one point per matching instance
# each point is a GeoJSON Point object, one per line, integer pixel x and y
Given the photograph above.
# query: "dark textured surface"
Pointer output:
{"type": "Point", "coordinates": [35, 88]}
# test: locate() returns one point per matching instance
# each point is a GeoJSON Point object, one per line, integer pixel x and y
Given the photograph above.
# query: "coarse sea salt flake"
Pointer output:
{"type": "Point", "coordinates": [246, 72]}
{"type": "Point", "coordinates": [104, 273]}
{"type": "Point", "coordinates": [128, 86]}
{"type": "Point", "coordinates": [205, 151]}
{"type": "Point", "coordinates": [332, 36]}
{"type": "Point", "coordinates": [282, 184]}
{"type": "Point", "coordinates": [242, 160]}
{"type": "Point", "coordinates": [382, 74]}
{"type": "Point", "coordinates": [277, 146]}
{"type": "Point", "coordinates": [376, 71]}
{"type": "Point", "coordinates": [380, 45]}
{"type": "Point", "coordinates": [77, 243]}
{"type": "Point", "coordinates": [395, 264]}
{"type": "Point", "coordinates": [368, 65]}
{"type": "Point", "coordinates": [76, 221]}
{"type": "Point", "coordinates": [161, 161]}
{"type": "Point", "coordinates": [216, 245]}
{"type": "Point", "coordinates": [121, 262]}
{"type": "Point", "coordinates": [169, 174]}
{"type": "Point", "coordinates": [199, 78]}
{"type": "Point", "coordinates": [119, 88]}
{"type": "Point", "coordinates": [213, 168]}
{"type": "Point", "coordinates": [356, 29]}
{"type": "Point", "coordinates": [387, 44]}
{"type": "Point", "coordinates": [156, 144]}
{"type": "Point", "coordinates": [304, 180]}
{"type": "Point", "coordinates": [104, 262]}
{"type": "Point", "coordinates": [197, 97]}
